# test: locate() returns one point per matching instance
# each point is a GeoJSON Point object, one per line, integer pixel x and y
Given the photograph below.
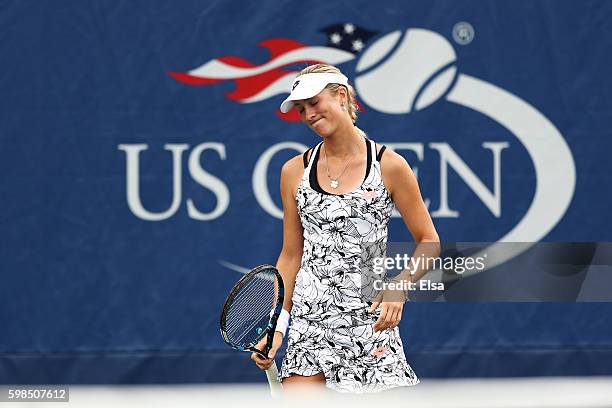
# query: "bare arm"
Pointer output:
{"type": "Point", "coordinates": [290, 257]}
{"type": "Point", "coordinates": [404, 189]}
{"type": "Point", "coordinates": [402, 184]}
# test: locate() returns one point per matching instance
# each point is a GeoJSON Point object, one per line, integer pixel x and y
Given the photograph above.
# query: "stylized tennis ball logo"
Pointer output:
{"type": "Point", "coordinates": [402, 72]}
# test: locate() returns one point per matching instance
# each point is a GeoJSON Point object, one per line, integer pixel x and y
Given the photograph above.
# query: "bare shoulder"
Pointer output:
{"type": "Point", "coordinates": [392, 162]}
{"type": "Point", "coordinates": [291, 173]}
{"type": "Point", "coordinates": [293, 166]}
{"type": "Point", "coordinates": [396, 171]}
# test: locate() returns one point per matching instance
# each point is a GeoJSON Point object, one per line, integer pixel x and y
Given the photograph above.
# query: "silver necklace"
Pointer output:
{"type": "Point", "coordinates": [334, 182]}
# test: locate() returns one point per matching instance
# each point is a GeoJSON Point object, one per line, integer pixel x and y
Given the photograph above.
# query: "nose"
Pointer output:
{"type": "Point", "coordinates": [308, 112]}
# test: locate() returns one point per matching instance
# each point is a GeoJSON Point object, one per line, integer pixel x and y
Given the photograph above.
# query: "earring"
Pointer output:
{"type": "Point", "coordinates": [343, 107]}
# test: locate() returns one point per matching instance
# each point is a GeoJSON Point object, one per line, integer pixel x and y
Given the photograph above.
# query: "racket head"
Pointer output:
{"type": "Point", "coordinates": [251, 309]}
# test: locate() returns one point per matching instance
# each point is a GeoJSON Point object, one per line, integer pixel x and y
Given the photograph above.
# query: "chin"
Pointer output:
{"type": "Point", "coordinates": [320, 133]}
{"type": "Point", "coordinates": [324, 132]}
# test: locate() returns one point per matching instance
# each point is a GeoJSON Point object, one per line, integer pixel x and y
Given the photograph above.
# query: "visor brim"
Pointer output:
{"type": "Point", "coordinates": [300, 95]}
{"type": "Point", "coordinates": [311, 85]}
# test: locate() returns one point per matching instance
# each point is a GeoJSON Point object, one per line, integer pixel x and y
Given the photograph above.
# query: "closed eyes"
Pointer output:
{"type": "Point", "coordinates": [300, 108]}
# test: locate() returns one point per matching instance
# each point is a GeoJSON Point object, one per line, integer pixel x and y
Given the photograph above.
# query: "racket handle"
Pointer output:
{"type": "Point", "coordinates": [276, 388]}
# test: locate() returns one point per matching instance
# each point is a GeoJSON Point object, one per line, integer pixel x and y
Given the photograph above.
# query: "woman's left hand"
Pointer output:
{"type": "Point", "coordinates": [390, 312]}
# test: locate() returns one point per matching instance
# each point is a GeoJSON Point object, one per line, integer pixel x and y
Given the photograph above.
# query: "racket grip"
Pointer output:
{"type": "Point", "coordinates": [276, 388]}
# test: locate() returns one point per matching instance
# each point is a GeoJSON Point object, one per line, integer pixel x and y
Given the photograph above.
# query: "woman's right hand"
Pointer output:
{"type": "Point", "coordinates": [265, 363]}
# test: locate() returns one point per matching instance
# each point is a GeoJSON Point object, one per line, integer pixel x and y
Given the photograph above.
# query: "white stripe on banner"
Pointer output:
{"type": "Point", "coordinates": [220, 70]}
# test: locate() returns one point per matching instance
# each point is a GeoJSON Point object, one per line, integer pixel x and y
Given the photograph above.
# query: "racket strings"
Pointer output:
{"type": "Point", "coordinates": [249, 305]}
{"type": "Point", "coordinates": [249, 313]}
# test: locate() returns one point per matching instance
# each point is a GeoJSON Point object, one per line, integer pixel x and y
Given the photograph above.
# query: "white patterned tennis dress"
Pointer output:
{"type": "Point", "coordinates": [331, 330]}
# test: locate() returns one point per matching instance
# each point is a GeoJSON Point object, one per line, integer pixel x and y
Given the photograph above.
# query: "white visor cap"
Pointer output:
{"type": "Point", "coordinates": [308, 85]}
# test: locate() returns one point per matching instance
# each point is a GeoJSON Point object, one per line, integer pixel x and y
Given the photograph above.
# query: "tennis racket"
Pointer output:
{"type": "Point", "coordinates": [250, 313]}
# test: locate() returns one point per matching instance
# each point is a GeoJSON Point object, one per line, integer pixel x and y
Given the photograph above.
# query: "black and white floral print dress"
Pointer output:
{"type": "Point", "coordinates": [331, 330]}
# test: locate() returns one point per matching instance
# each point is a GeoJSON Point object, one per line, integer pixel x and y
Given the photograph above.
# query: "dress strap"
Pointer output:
{"type": "Point", "coordinates": [372, 145]}
{"type": "Point", "coordinates": [312, 157]}
{"type": "Point", "coordinates": [380, 152]}
{"type": "Point", "coordinates": [305, 156]}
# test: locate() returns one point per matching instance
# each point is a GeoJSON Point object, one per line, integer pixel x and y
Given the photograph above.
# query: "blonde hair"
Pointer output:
{"type": "Point", "coordinates": [351, 95]}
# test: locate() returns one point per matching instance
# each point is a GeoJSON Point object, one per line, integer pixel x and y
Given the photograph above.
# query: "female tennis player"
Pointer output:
{"type": "Point", "coordinates": [336, 197]}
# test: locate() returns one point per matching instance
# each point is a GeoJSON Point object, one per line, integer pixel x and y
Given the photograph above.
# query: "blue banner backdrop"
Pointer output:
{"type": "Point", "coordinates": [140, 149]}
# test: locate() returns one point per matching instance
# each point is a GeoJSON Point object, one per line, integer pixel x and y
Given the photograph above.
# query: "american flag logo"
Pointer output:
{"type": "Point", "coordinates": [258, 82]}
